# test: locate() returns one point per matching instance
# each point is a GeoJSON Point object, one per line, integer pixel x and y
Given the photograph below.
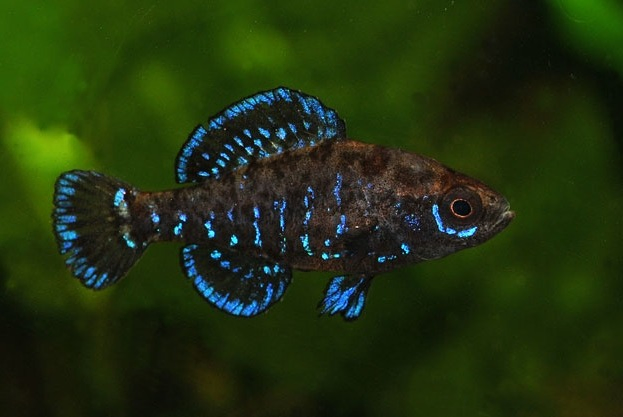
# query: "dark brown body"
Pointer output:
{"type": "Point", "coordinates": [383, 194]}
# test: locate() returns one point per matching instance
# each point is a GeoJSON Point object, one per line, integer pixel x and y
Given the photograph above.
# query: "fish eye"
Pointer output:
{"type": "Point", "coordinates": [461, 208]}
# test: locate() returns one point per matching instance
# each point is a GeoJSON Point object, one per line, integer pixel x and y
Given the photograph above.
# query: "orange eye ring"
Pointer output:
{"type": "Point", "coordinates": [461, 208]}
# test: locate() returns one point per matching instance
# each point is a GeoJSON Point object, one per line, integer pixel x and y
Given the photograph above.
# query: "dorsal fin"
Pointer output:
{"type": "Point", "coordinates": [258, 126]}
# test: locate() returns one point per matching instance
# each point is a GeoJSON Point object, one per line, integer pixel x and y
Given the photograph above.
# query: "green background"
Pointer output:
{"type": "Point", "coordinates": [526, 96]}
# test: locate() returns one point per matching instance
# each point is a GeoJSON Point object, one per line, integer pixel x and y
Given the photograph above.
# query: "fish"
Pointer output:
{"type": "Point", "coordinates": [276, 185]}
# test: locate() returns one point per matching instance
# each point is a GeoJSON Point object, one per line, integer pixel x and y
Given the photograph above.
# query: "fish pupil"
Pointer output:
{"type": "Point", "coordinates": [461, 208]}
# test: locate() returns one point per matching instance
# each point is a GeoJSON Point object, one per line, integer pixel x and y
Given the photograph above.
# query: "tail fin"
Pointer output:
{"type": "Point", "coordinates": [93, 227]}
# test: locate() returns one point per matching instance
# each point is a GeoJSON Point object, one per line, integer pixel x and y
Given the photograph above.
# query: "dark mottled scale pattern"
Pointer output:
{"type": "Point", "coordinates": [277, 186]}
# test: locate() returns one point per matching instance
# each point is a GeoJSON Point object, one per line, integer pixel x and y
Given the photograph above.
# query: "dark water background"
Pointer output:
{"type": "Point", "coordinates": [527, 96]}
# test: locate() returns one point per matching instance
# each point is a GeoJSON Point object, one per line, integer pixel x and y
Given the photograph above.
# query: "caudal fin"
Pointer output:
{"type": "Point", "coordinates": [93, 227]}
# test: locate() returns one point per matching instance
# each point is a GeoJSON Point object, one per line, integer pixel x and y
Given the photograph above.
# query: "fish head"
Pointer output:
{"type": "Point", "coordinates": [462, 212]}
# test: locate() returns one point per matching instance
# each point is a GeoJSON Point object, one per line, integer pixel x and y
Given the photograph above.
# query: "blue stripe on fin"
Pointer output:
{"type": "Point", "coordinates": [232, 282]}
{"type": "Point", "coordinates": [92, 226]}
{"type": "Point", "coordinates": [259, 126]}
{"type": "Point", "coordinates": [346, 294]}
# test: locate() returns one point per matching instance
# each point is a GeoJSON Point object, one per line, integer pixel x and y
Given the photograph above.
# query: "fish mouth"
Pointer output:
{"type": "Point", "coordinates": [505, 218]}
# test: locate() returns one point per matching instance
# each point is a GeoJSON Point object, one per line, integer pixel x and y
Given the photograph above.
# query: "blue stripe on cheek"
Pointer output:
{"type": "Point", "coordinates": [468, 232]}
{"type": "Point", "coordinates": [448, 230]}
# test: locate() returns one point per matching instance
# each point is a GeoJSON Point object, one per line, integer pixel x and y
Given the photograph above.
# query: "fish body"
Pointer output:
{"type": "Point", "coordinates": [277, 186]}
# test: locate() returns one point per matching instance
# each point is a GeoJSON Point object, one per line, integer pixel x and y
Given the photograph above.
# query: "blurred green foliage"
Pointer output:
{"type": "Point", "coordinates": [526, 96]}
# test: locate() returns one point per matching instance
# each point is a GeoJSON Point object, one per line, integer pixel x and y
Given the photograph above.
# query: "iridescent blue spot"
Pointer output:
{"type": "Point", "coordinates": [102, 279]}
{"type": "Point", "coordinates": [119, 197]}
{"type": "Point", "coordinates": [155, 218]}
{"type": "Point", "coordinates": [264, 132]}
{"type": "Point", "coordinates": [238, 141]}
{"type": "Point", "coordinates": [337, 189]}
{"type": "Point", "coordinates": [68, 235]}
{"type": "Point", "coordinates": [305, 242]}
{"type": "Point", "coordinates": [257, 142]}
{"type": "Point", "coordinates": [405, 248]}
{"type": "Point", "coordinates": [67, 218]}
{"type": "Point", "coordinates": [341, 227]}
{"type": "Point", "coordinates": [177, 229]}
{"type": "Point", "coordinates": [281, 206]}
{"type": "Point", "coordinates": [269, 293]}
{"type": "Point", "coordinates": [89, 272]}
{"type": "Point", "coordinates": [308, 202]}
{"type": "Point", "coordinates": [216, 123]}
{"type": "Point", "coordinates": [281, 133]}
{"type": "Point", "coordinates": [208, 226]}
{"type": "Point", "coordinates": [128, 241]}
{"type": "Point", "coordinates": [256, 226]}
{"type": "Point", "coordinates": [412, 221]}
{"type": "Point", "coordinates": [68, 190]}
{"type": "Point", "coordinates": [216, 254]}
{"type": "Point", "coordinates": [233, 240]}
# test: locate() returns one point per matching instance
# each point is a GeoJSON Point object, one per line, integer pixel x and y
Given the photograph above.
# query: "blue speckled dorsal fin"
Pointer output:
{"type": "Point", "coordinates": [258, 126]}
{"type": "Point", "coordinates": [232, 282]}
{"type": "Point", "coordinates": [345, 294]}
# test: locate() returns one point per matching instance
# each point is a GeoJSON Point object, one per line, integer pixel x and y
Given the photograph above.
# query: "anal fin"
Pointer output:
{"type": "Point", "coordinates": [346, 294]}
{"type": "Point", "coordinates": [232, 283]}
